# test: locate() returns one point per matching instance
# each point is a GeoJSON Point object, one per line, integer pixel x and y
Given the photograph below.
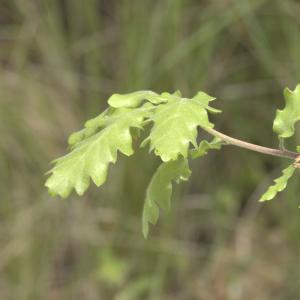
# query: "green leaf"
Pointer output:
{"type": "Point", "coordinates": [91, 126]}
{"type": "Point", "coordinates": [91, 157]}
{"type": "Point", "coordinates": [204, 146]}
{"type": "Point", "coordinates": [175, 126]}
{"type": "Point", "coordinates": [280, 184]}
{"type": "Point", "coordinates": [284, 122]}
{"type": "Point", "coordinates": [134, 99]}
{"type": "Point", "coordinates": [159, 190]}
{"type": "Point", "coordinates": [205, 99]}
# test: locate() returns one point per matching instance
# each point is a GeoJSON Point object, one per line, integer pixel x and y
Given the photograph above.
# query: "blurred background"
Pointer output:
{"type": "Point", "coordinates": [60, 60]}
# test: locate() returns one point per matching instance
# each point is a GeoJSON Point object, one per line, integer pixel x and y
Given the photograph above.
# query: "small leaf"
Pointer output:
{"type": "Point", "coordinates": [280, 184]}
{"type": "Point", "coordinates": [177, 93]}
{"type": "Point", "coordinates": [91, 127]}
{"type": "Point", "coordinates": [134, 99]}
{"type": "Point", "coordinates": [76, 137]}
{"type": "Point", "coordinates": [205, 99]}
{"type": "Point", "coordinates": [91, 157]}
{"type": "Point", "coordinates": [160, 189]}
{"type": "Point", "coordinates": [204, 146]}
{"type": "Point", "coordinates": [284, 122]}
{"type": "Point", "coordinates": [175, 125]}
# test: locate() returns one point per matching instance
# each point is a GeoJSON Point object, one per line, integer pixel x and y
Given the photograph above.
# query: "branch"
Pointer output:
{"type": "Point", "coordinates": [269, 151]}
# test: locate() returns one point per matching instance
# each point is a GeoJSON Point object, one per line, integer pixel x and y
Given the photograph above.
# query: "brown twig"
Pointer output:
{"type": "Point", "coordinates": [239, 143]}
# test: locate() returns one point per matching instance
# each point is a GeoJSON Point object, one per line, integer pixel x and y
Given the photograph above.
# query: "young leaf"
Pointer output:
{"type": "Point", "coordinates": [175, 126]}
{"type": "Point", "coordinates": [91, 126]}
{"type": "Point", "coordinates": [134, 99]}
{"type": "Point", "coordinates": [90, 158]}
{"type": "Point", "coordinates": [205, 99]}
{"type": "Point", "coordinates": [159, 190]}
{"type": "Point", "coordinates": [284, 122]}
{"type": "Point", "coordinates": [280, 184]}
{"type": "Point", "coordinates": [204, 146]}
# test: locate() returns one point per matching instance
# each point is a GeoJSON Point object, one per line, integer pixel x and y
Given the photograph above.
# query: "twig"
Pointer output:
{"type": "Point", "coordinates": [239, 143]}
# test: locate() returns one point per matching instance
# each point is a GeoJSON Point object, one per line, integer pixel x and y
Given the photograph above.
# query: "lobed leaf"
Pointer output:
{"type": "Point", "coordinates": [203, 98]}
{"type": "Point", "coordinates": [284, 122]}
{"type": "Point", "coordinates": [175, 125]}
{"type": "Point", "coordinates": [135, 99]}
{"type": "Point", "coordinates": [90, 127]}
{"type": "Point", "coordinates": [159, 190]}
{"type": "Point", "coordinates": [91, 157]}
{"type": "Point", "coordinates": [280, 184]}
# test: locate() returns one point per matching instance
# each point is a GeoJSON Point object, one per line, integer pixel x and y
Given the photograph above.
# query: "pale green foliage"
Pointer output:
{"type": "Point", "coordinates": [174, 128]}
{"type": "Point", "coordinates": [204, 99]}
{"type": "Point", "coordinates": [90, 158]}
{"type": "Point", "coordinates": [159, 191]}
{"type": "Point", "coordinates": [205, 146]}
{"type": "Point", "coordinates": [174, 122]}
{"type": "Point", "coordinates": [134, 99]}
{"type": "Point", "coordinates": [280, 184]}
{"type": "Point", "coordinates": [90, 127]}
{"type": "Point", "coordinates": [284, 122]}
{"type": "Point", "coordinates": [95, 146]}
{"type": "Point", "coordinates": [175, 125]}
{"type": "Point", "coordinates": [284, 126]}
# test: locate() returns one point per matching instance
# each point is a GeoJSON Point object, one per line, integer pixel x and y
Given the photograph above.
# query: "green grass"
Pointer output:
{"type": "Point", "coordinates": [59, 62]}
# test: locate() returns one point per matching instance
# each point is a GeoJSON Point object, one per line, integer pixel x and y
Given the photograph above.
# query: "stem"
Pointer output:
{"type": "Point", "coordinates": [269, 151]}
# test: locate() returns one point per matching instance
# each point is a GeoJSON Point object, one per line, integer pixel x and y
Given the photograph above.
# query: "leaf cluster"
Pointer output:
{"type": "Point", "coordinates": [284, 127]}
{"type": "Point", "coordinates": [174, 124]}
{"type": "Point", "coordinates": [174, 127]}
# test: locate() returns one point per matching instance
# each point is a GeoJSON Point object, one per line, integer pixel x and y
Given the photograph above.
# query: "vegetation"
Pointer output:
{"type": "Point", "coordinates": [175, 120]}
{"type": "Point", "coordinates": [60, 61]}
